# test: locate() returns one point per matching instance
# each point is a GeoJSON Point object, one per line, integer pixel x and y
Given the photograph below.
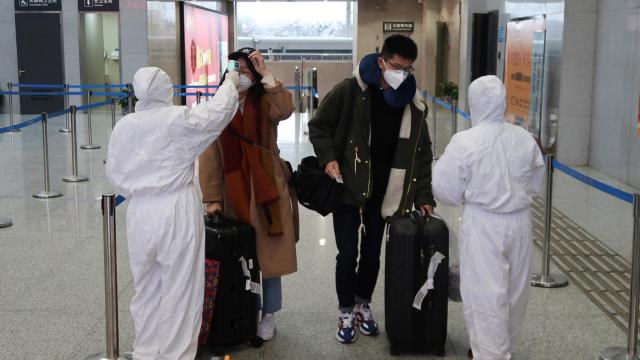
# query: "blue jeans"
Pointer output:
{"type": "Point", "coordinates": [271, 295]}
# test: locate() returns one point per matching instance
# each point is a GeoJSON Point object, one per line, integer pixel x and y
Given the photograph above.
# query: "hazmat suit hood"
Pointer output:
{"type": "Point", "coordinates": [153, 88]}
{"type": "Point", "coordinates": [487, 100]}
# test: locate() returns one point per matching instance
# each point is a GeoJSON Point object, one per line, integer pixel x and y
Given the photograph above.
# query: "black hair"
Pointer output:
{"type": "Point", "coordinates": [256, 91]}
{"type": "Point", "coordinates": [399, 45]}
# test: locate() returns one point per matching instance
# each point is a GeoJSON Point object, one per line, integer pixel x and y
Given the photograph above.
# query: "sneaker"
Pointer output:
{"type": "Point", "coordinates": [346, 334]}
{"type": "Point", "coordinates": [364, 320]}
{"type": "Point", "coordinates": [267, 328]}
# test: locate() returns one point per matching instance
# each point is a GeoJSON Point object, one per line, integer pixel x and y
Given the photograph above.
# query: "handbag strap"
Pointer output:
{"type": "Point", "coordinates": [253, 143]}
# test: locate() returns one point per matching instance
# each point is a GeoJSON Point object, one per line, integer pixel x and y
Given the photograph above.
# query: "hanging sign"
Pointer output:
{"type": "Point", "coordinates": [38, 5]}
{"type": "Point", "coordinates": [98, 5]}
{"type": "Point", "coordinates": [403, 26]}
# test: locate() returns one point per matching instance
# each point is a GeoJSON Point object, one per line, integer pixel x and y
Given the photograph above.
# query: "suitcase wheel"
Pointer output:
{"type": "Point", "coordinates": [257, 342]}
{"type": "Point", "coordinates": [217, 351]}
{"type": "Point", "coordinates": [394, 351]}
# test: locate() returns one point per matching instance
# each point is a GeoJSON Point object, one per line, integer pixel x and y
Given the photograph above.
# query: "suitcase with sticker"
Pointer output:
{"type": "Point", "coordinates": [235, 314]}
{"type": "Point", "coordinates": [416, 285]}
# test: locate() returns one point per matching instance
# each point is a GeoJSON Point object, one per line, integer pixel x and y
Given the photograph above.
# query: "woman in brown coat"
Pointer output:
{"type": "Point", "coordinates": [242, 175]}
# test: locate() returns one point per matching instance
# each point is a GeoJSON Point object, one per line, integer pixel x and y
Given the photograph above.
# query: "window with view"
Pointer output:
{"type": "Point", "coordinates": [310, 27]}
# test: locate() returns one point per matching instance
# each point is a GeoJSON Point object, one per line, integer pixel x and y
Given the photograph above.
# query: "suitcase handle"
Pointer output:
{"type": "Point", "coordinates": [215, 218]}
{"type": "Point", "coordinates": [417, 216]}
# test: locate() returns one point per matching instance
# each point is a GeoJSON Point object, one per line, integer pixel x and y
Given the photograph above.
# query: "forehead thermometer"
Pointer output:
{"type": "Point", "coordinates": [233, 65]}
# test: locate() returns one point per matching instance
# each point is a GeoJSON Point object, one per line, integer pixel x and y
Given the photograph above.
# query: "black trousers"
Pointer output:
{"type": "Point", "coordinates": [357, 277]}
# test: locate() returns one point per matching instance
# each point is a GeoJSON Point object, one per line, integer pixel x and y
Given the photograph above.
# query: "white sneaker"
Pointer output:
{"type": "Point", "coordinates": [364, 320]}
{"type": "Point", "coordinates": [267, 328]}
{"type": "Point", "coordinates": [346, 334]}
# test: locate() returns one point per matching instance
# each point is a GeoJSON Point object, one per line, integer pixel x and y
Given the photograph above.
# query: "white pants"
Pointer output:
{"type": "Point", "coordinates": [495, 270]}
{"type": "Point", "coordinates": [166, 252]}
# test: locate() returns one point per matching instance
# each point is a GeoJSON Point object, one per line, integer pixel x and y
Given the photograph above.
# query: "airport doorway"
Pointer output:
{"type": "Point", "coordinates": [484, 44]}
{"type": "Point", "coordinates": [100, 50]}
{"type": "Point", "coordinates": [442, 55]}
{"type": "Point", "coordinates": [39, 41]}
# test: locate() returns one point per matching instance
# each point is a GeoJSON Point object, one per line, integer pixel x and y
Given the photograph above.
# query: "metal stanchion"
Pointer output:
{"type": "Point", "coordinates": [10, 86]}
{"type": "Point", "coordinates": [74, 177]}
{"type": "Point", "coordinates": [131, 108]}
{"type": "Point", "coordinates": [297, 93]}
{"type": "Point", "coordinates": [435, 127]}
{"type": "Point", "coordinates": [90, 145]}
{"type": "Point", "coordinates": [631, 351]}
{"type": "Point", "coordinates": [113, 113]}
{"type": "Point", "coordinates": [110, 280]}
{"type": "Point", "coordinates": [314, 84]}
{"type": "Point", "coordinates": [314, 92]}
{"type": "Point", "coordinates": [67, 128]}
{"type": "Point", "coordinates": [5, 223]}
{"type": "Point", "coordinates": [544, 279]}
{"type": "Point", "coordinates": [454, 120]}
{"type": "Point", "coordinates": [47, 193]}
{"type": "Point", "coordinates": [198, 97]}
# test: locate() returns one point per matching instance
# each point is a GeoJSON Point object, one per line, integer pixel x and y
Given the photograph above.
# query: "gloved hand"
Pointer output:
{"type": "Point", "coordinates": [234, 77]}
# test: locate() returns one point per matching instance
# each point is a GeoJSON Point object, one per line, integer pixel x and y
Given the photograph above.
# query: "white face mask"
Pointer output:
{"type": "Point", "coordinates": [245, 83]}
{"type": "Point", "coordinates": [394, 78]}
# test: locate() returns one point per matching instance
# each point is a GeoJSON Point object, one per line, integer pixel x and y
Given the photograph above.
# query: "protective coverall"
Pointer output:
{"type": "Point", "coordinates": [494, 169]}
{"type": "Point", "coordinates": [151, 162]}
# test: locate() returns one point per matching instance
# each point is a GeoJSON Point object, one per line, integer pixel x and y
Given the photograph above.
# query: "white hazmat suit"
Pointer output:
{"type": "Point", "coordinates": [151, 161]}
{"type": "Point", "coordinates": [494, 169]}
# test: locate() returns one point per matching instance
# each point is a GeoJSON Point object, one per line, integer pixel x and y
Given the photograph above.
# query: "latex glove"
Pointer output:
{"type": "Point", "coordinates": [234, 77]}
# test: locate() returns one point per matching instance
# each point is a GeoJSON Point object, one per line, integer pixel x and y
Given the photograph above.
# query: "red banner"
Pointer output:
{"type": "Point", "coordinates": [206, 39]}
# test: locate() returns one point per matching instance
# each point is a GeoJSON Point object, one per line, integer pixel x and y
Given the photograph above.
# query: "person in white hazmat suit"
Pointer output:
{"type": "Point", "coordinates": [151, 161]}
{"type": "Point", "coordinates": [494, 169]}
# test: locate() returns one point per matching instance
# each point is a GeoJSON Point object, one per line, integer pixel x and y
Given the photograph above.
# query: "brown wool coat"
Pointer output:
{"type": "Point", "coordinates": [276, 254]}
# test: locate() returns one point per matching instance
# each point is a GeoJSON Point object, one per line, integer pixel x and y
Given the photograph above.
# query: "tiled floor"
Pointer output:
{"type": "Point", "coordinates": [51, 266]}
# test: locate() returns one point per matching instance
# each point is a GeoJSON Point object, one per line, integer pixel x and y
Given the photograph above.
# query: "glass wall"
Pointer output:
{"type": "Point", "coordinates": [296, 27]}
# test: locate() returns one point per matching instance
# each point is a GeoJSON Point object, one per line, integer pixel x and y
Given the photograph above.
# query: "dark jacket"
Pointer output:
{"type": "Point", "coordinates": [341, 130]}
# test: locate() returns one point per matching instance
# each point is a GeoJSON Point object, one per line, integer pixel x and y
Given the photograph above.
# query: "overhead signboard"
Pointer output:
{"type": "Point", "coordinates": [38, 5]}
{"type": "Point", "coordinates": [98, 5]}
{"type": "Point", "coordinates": [402, 26]}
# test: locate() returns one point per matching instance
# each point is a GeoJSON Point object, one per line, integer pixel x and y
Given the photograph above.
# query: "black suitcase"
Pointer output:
{"type": "Point", "coordinates": [412, 243]}
{"type": "Point", "coordinates": [235, 314]}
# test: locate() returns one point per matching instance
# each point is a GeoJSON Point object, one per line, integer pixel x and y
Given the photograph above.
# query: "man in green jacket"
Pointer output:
{"type": "Point", "coordinates": [370, 132]}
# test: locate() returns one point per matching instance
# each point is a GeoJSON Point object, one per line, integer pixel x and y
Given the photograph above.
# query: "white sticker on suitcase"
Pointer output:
{"type": "Point", "coordinates": [256, 288]}
{"type": "Point", "coordinates": [245, 268]}
{"type": "Point", "coordinates": [429, 284]}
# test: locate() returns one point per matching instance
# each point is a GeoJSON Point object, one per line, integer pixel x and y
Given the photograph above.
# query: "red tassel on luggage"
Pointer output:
{"type": "Point", "coordinates": [211, 277]}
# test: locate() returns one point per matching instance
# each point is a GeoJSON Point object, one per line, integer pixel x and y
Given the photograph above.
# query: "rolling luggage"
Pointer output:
{"type": "Point", "coordinates": [235, 314]}
{"type": "Point", "coordinates": [416, 285]}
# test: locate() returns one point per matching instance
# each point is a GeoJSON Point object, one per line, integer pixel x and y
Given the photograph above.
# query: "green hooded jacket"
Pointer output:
{"type": "Point", "coordinates": [341, 130]}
